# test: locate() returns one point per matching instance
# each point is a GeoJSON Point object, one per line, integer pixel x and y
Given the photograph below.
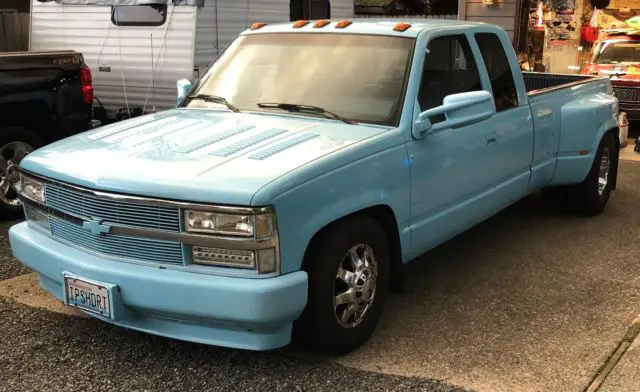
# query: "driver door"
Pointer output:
{"type": "Point", "coordinates": [452, 168]}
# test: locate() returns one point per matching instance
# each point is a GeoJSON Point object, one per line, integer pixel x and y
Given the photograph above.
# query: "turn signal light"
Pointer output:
{"type": "Point", "coordinates": [321, 23]}
{"type": "Point", "coordinates": [257, 25]}
{"type": "Point", "coordinates": [300, 23]}
{"type": "Point", "coordinates": [401, 27]}
{"type": "Point", "coordinates": [342, 24]}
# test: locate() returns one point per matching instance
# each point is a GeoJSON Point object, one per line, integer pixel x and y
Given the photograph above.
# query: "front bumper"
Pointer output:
{"type": "Point", "coordinates": [254, 314]}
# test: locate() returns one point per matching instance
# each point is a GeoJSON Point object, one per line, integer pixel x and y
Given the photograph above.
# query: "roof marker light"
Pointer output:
{"type": "Point", "coordinates": [321, 23]}
{"type": "Point", "coordinates": [401, 27]}
{"type": "Point", "coordinates": [257, 25]}
{"type": "Point", "coordinates": [300, 23]}
{"type": "Point", "coordinates": [342, 24]}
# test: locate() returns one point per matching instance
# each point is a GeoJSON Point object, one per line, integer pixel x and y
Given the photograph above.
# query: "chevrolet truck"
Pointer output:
{"type": "Point", "coordinates": [280, 199]}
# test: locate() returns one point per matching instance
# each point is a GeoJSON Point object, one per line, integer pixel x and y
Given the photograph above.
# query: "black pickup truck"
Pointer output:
{"type": "Point", "coordinates": [44, 97]}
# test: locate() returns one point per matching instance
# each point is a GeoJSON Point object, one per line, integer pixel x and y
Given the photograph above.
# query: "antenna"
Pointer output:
{"type": "Point", "coordinates": [124, 83]}
{"type": "Point", "coordinates": [153, 78]}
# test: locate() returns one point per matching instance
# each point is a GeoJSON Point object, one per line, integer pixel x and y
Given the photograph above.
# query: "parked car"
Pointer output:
{"type": "Point", "coordinates": [294, 180]}
{"type": "Point", "coordinates": [618, 55]}
{"type": "Point", "coordinates": [44, 97]}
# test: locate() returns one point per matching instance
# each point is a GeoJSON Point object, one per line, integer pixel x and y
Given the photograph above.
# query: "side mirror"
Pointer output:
{"type": "Point", "coordinates": [183, 86]}
{"type": "Point", "coordinates": [459, 110]}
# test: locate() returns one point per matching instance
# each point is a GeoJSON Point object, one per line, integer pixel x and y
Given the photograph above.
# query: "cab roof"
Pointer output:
{"type": "Point", "coordinates": [364, 26]}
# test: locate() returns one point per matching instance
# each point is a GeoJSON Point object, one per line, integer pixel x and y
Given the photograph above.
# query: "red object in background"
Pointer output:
{"type": "Point", "coordinates": [589, 33]}
{"type": "Point", "coordinates": [87, 84]}
{"type": "Point", "coordinates": [623, 74]}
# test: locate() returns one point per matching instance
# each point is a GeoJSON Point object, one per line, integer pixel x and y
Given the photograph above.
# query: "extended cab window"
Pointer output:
{"type": "Point", "coordinates": [139, 15]}
{"type": "Point", "coordinates": [449, 68]}
{"type": "Point", "coordinates": [502, 82]}
{"type": "Point", "coordinates": [359, 77]}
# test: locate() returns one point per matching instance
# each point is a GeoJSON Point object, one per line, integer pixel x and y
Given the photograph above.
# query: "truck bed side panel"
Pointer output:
{"type": "Point", "coordinates": [42, 91]}
{"type": "Point", "coordinates": [569, 124]}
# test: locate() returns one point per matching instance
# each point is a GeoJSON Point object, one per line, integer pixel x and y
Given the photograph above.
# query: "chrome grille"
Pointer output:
{"type": "Point", "coordinates": [627, 94]}
{"type": "Point", "coordinates": [87, 205]}
{"type": "Point", "coordinates": [137, 248]}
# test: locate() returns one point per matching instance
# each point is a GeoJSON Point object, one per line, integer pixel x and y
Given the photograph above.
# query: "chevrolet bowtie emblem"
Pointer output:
{"type": "Point", "coordinates": [95, 226]}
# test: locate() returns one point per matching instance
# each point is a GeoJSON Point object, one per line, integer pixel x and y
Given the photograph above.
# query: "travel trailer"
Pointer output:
{"type": "Point", "coordinates": [138, 49]}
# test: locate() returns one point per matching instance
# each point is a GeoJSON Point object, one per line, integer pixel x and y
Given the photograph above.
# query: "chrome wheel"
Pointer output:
{"type": "Point", "coordinates": [603, 174]}
{"type": "Point", "coordinates": [355, 285]}
{"type": "Point", "coordinates": [11, 155]}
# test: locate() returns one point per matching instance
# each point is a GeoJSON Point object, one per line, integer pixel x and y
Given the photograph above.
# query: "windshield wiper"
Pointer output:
{"type": "Point", "coordinates": [291, 107]}
{"type": "Point", "coordinates": [215, 99]}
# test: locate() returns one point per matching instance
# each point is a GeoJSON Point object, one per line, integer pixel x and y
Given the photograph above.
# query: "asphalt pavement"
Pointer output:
{"type": "Point", "coordinates": [530, 300]}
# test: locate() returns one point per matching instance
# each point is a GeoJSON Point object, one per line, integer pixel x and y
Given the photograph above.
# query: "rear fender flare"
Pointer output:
{"type": "Point", "coordinates": [584, 123]}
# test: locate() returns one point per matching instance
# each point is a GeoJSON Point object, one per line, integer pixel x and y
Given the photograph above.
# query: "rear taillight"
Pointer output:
{"type": "Point", "coordinates": [87, 84]}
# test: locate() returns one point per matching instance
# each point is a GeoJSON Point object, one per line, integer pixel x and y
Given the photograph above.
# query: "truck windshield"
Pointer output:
{"type": "Point", "coordinates": [619, 52]}
{"type": "Point", "coordinates": [358, 77]}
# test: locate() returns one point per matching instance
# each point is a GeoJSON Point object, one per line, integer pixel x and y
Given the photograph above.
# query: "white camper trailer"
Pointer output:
{"type": "Point", "coordinates": [138, 49]}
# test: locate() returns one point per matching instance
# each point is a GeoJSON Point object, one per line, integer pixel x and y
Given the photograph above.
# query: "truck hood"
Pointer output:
{"type": "Point", "coordinates": [193, 154]}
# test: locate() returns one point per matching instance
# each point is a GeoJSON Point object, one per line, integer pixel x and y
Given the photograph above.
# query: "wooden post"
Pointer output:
{"type": "Point", "coordinates": [462, 9]}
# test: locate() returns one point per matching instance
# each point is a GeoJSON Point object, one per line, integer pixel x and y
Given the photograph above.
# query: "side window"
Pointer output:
{"type": "Point", "coordinates": [502, 83]}
{"type": "Point", "coordinates": [139, 15]}
{"type": "Point", "coordinates": [449, 68]}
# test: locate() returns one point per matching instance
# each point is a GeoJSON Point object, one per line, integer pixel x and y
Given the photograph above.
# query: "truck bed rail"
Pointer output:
{"type": "Point", "coordinates": [540, 83]}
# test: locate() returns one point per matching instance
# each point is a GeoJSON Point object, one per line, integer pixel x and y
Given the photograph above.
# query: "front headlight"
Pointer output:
{"type": "Point", "coordinates": [248, 225]}
{"type": "Point", "coordinates": [31, 188]}
{"type": "Point", "coordinates": [257, 228]}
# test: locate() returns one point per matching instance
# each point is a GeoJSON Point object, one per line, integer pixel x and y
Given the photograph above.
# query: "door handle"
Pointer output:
{"type": "Point", "coordinates": [491, 138]}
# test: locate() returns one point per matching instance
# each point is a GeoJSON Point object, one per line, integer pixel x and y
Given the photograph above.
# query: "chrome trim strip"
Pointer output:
{"type": "Point", "coordinates": [194, 239]}
{"type": "Point", "coordinates": [238, 243]}
{"type": "Point", "coordinates": [154, 201]}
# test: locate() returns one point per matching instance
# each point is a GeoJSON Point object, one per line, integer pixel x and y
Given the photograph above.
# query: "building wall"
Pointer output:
{"type": "Point", "coordinates": [503, 13]}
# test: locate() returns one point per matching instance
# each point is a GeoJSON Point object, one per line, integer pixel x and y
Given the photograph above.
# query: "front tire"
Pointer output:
{"type": "Point", "coordinates": [348, 270]}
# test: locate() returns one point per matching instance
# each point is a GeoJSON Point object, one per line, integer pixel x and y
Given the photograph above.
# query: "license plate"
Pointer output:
{"type": "Point", "coordinates": [90, 296]}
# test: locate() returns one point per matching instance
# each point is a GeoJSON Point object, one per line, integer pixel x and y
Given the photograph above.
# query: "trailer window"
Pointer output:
{"type": "Point", "coordinates": [139, 15]}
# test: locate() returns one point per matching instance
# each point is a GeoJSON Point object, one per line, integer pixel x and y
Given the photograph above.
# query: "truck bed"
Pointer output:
{"type": "Point", "coordinates": [26, 71]}
{"type": "Point", "coordinates": [540, 83]}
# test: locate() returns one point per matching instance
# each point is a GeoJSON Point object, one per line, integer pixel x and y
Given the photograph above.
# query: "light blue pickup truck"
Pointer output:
{"type": "Point", "coordinates": [283, 195]}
